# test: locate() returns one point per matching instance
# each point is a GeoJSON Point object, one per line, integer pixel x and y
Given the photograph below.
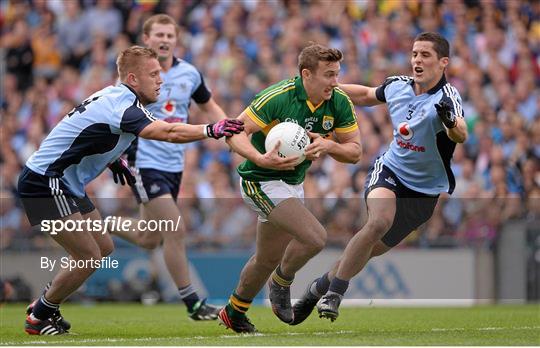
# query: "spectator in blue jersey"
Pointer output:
{"type": "Point", "coordinates": [404, 183]}
{"type": "Point", "coordinates": [91, 136]}
{"type": "Point", "coordinates": [159, 165]}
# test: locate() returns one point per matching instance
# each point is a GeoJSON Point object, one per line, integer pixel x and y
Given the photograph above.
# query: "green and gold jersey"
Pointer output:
{"type": "Point", "coordinates": [286, 101]}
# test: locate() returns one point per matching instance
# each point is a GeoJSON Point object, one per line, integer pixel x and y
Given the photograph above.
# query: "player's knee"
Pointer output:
{"type": "Point", "coordinates": [87, 253]}
{"type": "Point", "coordinates": [106, 249]}
{"type": "Point", "coordinates": [376, 228]}
{"type": "Point", "coordinates": [317, 242]}
{"type": "Point", "coordinates": [378, 249]}
{"type": "Point", "coordinates": [150, 243]}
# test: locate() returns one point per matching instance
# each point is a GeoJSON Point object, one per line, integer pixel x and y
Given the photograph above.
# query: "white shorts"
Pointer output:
{"type": "Point", "coordinates": [266, 195]}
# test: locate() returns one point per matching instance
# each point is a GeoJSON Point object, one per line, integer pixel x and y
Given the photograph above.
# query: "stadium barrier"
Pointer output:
{"type": "Point", "coordinates": [401, 277]}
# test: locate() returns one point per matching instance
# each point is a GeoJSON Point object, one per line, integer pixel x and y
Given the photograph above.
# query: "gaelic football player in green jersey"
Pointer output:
{"type": "Point", "coordinates": [288, 235]}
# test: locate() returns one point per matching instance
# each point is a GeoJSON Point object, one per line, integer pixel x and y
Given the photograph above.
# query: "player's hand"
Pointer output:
{"type": "Point", "coordinates": [224, 128]}
{"type": "Point", "coordinates": [318, 147]}
{"type": "Point", "coordinates": [444, 111]}
{"type": "Point", "coordinates": [272, 160]}
{"type": "Point", "coordinates": [121, 172]}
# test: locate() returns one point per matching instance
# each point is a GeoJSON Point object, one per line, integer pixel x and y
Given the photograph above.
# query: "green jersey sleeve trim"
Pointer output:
{"type": "Point", "coordinates": [257, 104]}
{"type": "Point", "coordinates": [346, 129]}
{"type": "Point", "coordinates": [348, 123]}
{"type": "Point", "coordinates": [269, 97]}
{"type": "Point", "coordinates": [255, 118]}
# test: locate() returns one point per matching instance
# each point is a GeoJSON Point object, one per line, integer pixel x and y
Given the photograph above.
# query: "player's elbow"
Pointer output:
{"type": "Point", "coordinates": [463, 138]}
{"type": "Point", "coordinates": [356, 155]}
{"type": "Point", "coordinates": [459, 137]}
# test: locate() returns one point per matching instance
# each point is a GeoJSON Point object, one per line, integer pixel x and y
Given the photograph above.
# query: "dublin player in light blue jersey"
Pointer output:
{"type": "Point", "coordinates": [93, 135]}
{"type": "Point", "coordinates": [159, 165]}
{"type": "Point", "coordinates": [403, 185]}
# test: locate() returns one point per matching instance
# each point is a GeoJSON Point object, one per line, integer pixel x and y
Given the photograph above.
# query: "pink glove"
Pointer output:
{"type": "Point", "coordinates": [224, 128]}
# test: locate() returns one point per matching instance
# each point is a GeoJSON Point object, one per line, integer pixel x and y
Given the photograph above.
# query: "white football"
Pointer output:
{"type": "Point", "coordinates": [293, 137]}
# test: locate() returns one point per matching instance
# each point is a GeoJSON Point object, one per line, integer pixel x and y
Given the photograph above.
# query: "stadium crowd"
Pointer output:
{"type": "Point", "coordinates": [56, 53]}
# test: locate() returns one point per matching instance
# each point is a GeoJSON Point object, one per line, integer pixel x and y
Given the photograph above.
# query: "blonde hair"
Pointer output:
{"type": "Point", "coordinates": [160, 19]}
{"type": "Point", "coordinates": [130, 59]}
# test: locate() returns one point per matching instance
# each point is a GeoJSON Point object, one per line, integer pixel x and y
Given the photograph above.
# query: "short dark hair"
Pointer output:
{"type": "Point", "coordinates": [311, 55]}
{"type": "Point", "coordinates": [130, 59]}
{"type": "Point", "coordinates": [440, 44]}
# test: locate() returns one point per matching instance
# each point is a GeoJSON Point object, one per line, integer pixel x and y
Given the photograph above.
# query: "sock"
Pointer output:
{"type": "Point", "coordinates": [280, 279]}
{"type": "Point", "coordinates": [44, 309]}
{"type": "Point", "coordinates": [338, 286]}
{"type": "Point", "coordinates": [237, 306]}
{"type": "Point", "coordinates": [189, 296]}
{"type": "Point", "coordinates": [319, 286]}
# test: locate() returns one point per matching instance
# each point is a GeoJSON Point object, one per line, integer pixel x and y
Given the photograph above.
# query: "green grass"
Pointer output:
{"type": "Point", "coordinates": [162, 325]}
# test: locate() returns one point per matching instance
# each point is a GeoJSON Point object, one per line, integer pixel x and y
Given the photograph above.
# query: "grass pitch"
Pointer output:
{"type": "Point", "coordinates": [163, 325]}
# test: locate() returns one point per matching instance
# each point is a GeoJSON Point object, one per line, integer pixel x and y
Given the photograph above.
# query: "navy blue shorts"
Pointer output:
{"type": "Point", "coordinates": [412, 208]}
{"type": "Point", "coordinates": [152, 183]}
{"type": "Point", "coordinates": [46, 198]}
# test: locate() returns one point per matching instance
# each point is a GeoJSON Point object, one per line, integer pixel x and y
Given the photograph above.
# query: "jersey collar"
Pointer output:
{"type": "Point", "coordinates": [132, 90]}
{"type": "Point", "coordinates": [175, 61]}
{"type": "Point", "coordinates": [435, 88]}
{"type": "Point", "coordinates": [299, 88]}
{"type": "Point", "coordinates": [302, 94]}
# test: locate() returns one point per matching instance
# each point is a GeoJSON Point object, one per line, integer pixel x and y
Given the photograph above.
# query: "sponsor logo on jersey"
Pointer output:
{"type": "Point", "coordinates": [408, 146]}
{"type": "Point", "coordinates": [169, 107]}
{"type": "Point", "coordinates": [405, 131]}
{"type": "Point", "coordinates": [327, 122]}
{"type": "Point", "coordinates": [173, 119]}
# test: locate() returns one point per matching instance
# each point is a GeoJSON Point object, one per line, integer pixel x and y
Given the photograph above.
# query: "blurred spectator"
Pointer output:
{"type": "Point", "coordinates": [74, 37]}
{"type": "Point", "coordinates": [19, 54]}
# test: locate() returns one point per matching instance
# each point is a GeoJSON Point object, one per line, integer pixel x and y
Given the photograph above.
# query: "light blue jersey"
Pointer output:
{"type": "Point", "coordinates": [181, 83]}
{"type": "Point", "coordinates": [421, 151]}
{"type": "Point", "coordinates": [90, 137]}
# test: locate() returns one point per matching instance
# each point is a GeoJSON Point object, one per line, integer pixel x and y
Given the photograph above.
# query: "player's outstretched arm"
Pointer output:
{"type": "Point", "coordinates": [361, 95]}
{"type": "Point", "coordinates": [241, 144]}
{"type": "Point", "coordinates": [185, 133]}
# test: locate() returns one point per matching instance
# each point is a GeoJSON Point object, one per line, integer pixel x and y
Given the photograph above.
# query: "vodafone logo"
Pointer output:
{"type": "Point", "coordinates": [405, 131]}
{"type": "Point", "coordinates": [169, 107]}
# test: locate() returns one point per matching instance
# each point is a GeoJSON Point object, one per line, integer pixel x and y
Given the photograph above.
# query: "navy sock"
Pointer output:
{"type": "Point", "coordinates": [322, 285]}
{"type": "Point", "coordinates": [319, 287]}
{"type": "Point", "coordinates": [189, 296]}
{"type": "Point", "coordinates": [338, 286]}
{"type": "Point", "coordinates": [44, 309]}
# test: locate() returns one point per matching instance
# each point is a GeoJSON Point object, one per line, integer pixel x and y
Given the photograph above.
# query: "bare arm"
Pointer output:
{"type": "Point", "coordinates": [456, 128]}
{"type": "Point", "coordinates": [173, 132]}
{"type": "Point", "coordinates": [361, 95]}
{"type": "Point", "coordinates": [459, 133]}
{"type": "Point", "coordinates": [241, 144]}
{"type": "Point", "coordinates": [347, 149]}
